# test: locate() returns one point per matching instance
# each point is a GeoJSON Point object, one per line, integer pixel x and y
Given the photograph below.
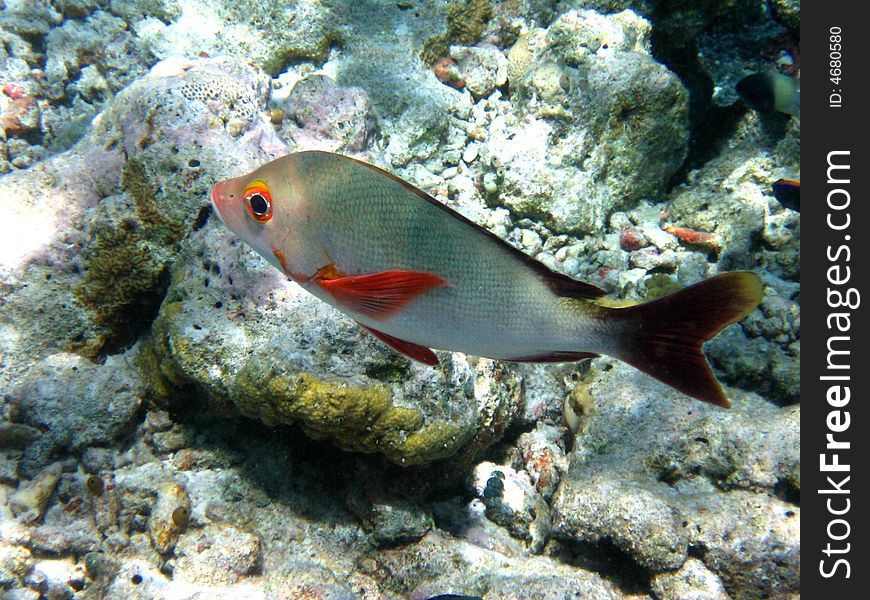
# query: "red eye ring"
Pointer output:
{"type": "Point", "coordinates": [258, 201]}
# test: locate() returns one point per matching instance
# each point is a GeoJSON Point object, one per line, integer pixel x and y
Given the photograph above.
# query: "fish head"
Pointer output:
{"type": "Point", "coordinates": [251, 207]}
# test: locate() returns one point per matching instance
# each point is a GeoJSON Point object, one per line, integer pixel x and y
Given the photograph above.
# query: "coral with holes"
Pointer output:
{"type": "Point", "coordinates": [125, 197]}
{"type": "Point", "coordinates": [695, 480]}
{"type": "Point", "coordinates": [597, 123]}
{"type": "Point", "coordinates": [322, 115]}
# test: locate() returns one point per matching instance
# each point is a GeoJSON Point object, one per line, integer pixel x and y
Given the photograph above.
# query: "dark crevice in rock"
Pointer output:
{"type": "Point", "coordinates": [709, 125]}
{"type": "Point", "coordinates": [787, 491]}
{"type": "Point", "coordinates": [676, 45]}
{"type": "Point", "coordinates": [698, 551]}
{"type": "Point", "coordinates": [611, 563]}
{"type": "Point", "coordinates": [39, 45]}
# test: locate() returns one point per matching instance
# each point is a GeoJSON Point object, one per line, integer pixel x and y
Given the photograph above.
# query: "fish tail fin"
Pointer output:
{"type": "Point", "coordinates": [664, 336]}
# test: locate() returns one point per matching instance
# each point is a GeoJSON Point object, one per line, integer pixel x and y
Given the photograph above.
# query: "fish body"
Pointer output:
{"type": "Point", "coordinates": [788, 192]}
{"type": "Point", "coordinates": [771, 92]}
{"type": "Point", "coordinates": [418, 275]}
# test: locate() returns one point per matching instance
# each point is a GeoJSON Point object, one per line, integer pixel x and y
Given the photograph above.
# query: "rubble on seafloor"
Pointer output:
{"type": "Point", "coordinates": [178, 420]}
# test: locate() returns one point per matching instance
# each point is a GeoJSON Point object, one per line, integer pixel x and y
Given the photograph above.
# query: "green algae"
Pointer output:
{"type": "Point", "coordinates": [465, 24]}
{"type": "Point", "coordinates": [162, 227]}
{"type": "Point", "coordinates": [125, 264]}
{"type": "Point", "coordinates": [121, 284]}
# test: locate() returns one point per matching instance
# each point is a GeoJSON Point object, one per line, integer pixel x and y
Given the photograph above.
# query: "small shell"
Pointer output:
{"type": "Point", "coordinates": [181, 516]}
{"type": "Point", "coordinates": [169, 517]}
{"type": "Point", "coordinates": [95, 485]}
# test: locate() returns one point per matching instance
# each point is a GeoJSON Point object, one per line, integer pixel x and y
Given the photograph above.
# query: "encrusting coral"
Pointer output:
{"type": "Point", "coordinates": [465, 23]}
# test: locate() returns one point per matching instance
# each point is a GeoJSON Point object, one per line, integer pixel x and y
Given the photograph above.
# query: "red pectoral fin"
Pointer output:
{"type": "Point", "coordinates": [411, 350]}
{"type": "Point", "coordinates": [379, 295]}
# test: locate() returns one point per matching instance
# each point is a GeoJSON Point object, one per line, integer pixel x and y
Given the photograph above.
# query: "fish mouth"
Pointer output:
{"type": "Point", "coordinates": [217, 201]}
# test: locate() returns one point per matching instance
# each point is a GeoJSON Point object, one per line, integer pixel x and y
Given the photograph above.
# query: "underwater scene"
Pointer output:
{"type": "Point", "coordinates": [406, 299]}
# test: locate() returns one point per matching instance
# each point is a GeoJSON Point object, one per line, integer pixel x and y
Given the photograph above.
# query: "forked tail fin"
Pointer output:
{"type": "Point", "coordinates": [663, 337]}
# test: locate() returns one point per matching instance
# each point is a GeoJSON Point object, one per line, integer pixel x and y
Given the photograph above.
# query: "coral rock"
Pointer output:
{"type": "Point", "coordinates": [631, 239]}
{"type": "Point", "coordinates": [164, 524]}
{"type": "Point", "coordinates": [218, 555]}
{"type": "Point", "coordinates": [320, 114]}
{"type": "Point", "coordinates": [483, 68]}
{"type": "Point", "coordinates": [31, 498]}
{"type": "Point", "coordinates": [253, 343]}
{"type": "Point", "coordinates": [77, 402]}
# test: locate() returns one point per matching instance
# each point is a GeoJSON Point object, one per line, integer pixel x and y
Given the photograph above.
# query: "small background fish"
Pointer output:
{"type": "Point", "coordinates": [788, 192]}
{"type": "Point", "coordinates": [771, 92]}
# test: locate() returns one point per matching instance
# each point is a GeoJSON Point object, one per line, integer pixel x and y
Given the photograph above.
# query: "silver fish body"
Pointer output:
{"type": "Point", "coordinates": [420, 276]}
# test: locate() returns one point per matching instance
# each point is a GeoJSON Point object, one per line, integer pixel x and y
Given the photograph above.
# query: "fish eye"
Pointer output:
{"type": "Point", "coordinates": [259, 204]}
{"type": "Point", "coordinates": [258, 200]}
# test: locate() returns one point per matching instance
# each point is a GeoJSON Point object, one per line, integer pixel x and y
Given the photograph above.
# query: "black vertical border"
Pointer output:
{"type": "Point", "coordinates": [825, 129]}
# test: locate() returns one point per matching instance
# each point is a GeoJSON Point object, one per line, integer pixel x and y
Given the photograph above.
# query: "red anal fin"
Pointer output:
{"type": "Point", "coordinates": [554, 357]}
{"type": "Point", "coordinates": [409, 349]}
{"type": "Point", "coordinates": [379, 295]}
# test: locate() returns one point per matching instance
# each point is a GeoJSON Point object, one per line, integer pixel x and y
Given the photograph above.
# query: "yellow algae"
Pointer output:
{"type": "Point", "coordinates": [433, 441]}
{"type": "Point", "coordinates": [361, 418]}
{"type": "Point", "coordinates": [579, 402]}
{"type": "Point", "coordinates": [397, 419]}
{"type": "Point", "coordinates": [321, 405]}
{"type": "Point", "coordinates": [661, 285]}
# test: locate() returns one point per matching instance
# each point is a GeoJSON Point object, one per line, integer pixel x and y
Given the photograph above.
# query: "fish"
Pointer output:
{"type": "Point", "coordinates": [418, 275]}
{"type": "Point", "coordinates": [788, 192]}
{"type": "Point", "coordinates": [454, 597]}
{"type": "Point", "coordinates": [771, 91]}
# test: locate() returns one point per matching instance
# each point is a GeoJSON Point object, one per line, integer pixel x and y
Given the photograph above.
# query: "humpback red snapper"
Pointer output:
{"type": "Point", "coordinates": [419, 275]}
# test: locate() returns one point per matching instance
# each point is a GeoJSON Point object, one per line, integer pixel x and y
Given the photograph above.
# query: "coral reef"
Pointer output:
{"type": "Point", "coordinates": [707, 485]}
{"type": "Point", "coordinates": [584, 60]}
{"type": "Point", "coordinates": [465, 24]}
{"type": "Point", "coordinates": [319, 114]}
{"type": "Point", "coordinates": [178, 420]}
{"type": "Point", "coordinates": [275, 353]}
{"type": "Point", "coordinates": [106, 399]}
